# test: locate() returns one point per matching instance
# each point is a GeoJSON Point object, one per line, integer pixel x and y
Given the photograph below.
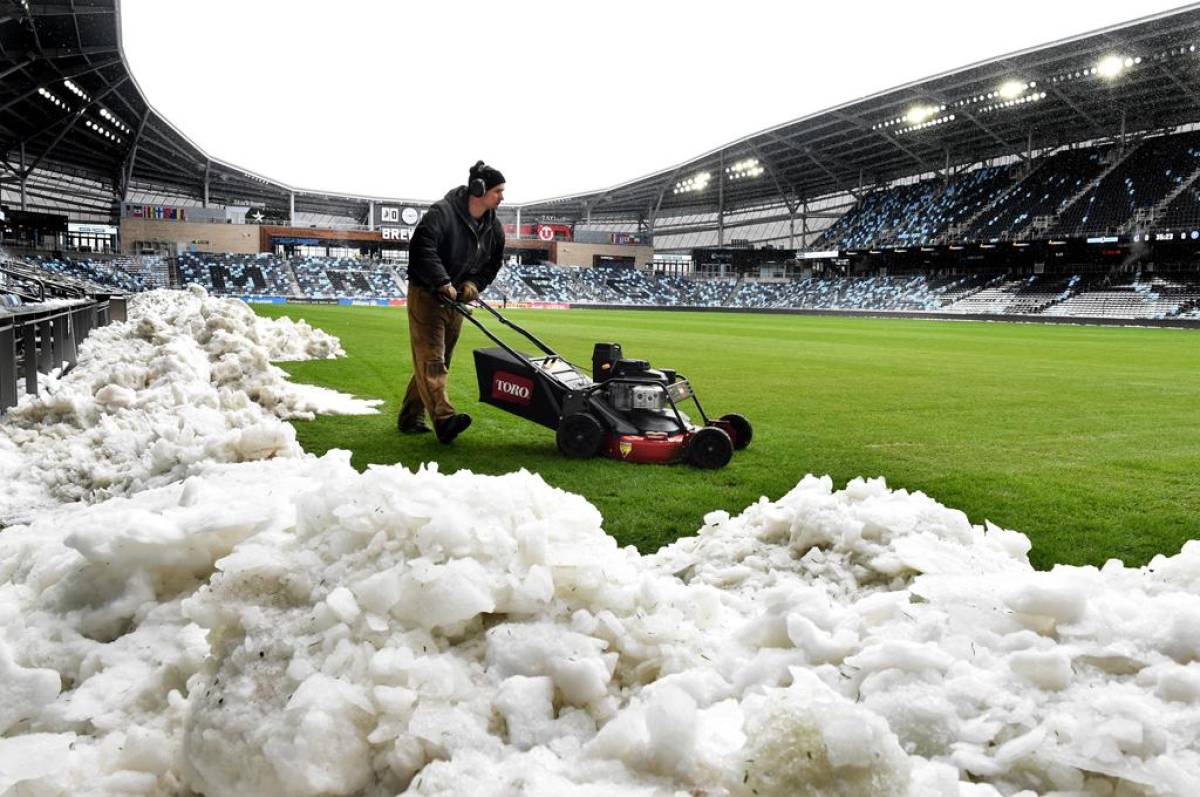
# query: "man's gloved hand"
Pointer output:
{"type": "Point", "coordinates": [448, 291]}
{"type": "Point", "coordinates": [469, 292]}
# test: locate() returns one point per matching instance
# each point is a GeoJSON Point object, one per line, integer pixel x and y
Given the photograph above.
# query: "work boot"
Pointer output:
{"type": "Point", "coordinates": [415, 426]}
{"type": "Point", "coordinates": [451, 427]}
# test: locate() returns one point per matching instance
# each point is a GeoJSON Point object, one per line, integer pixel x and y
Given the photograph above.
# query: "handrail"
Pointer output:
{"type": "Point", "coordinates": [46, 338]}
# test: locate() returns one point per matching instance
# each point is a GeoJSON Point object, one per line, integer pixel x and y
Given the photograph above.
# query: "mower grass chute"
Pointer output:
{"type": "Point", "coordinates": [626, 410]}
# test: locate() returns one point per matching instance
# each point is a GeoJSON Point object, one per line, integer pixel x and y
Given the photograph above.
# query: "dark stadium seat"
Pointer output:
{"type": "Point", "coordinates": [1138, 183]}
{"type": "Point", "coordinates": [1042, 193]}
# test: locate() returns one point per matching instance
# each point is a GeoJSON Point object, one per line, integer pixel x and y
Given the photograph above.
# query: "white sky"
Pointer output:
{"type": "Point", "coordinates": [398, 99]}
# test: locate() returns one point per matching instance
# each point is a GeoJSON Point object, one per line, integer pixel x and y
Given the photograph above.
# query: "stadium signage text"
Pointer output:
{"type": "Point", "coordinates": [395, 222]}
{"type": "Point", "coordinates": [512, 389]}
{"type": "Point", "coordinates": [91, 229]}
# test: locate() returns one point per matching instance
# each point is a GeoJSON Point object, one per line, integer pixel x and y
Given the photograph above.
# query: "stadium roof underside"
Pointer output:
{"type": "Point", "coordinates": [102, 137]}
{"type": "Point", "coordinates": [78, 133]}
{"type": "Point", "coordinates": [1137, 77]}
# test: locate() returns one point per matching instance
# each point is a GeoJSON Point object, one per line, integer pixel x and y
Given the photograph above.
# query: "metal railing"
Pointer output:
{"type": "Point", "coordinates": [37, 340]}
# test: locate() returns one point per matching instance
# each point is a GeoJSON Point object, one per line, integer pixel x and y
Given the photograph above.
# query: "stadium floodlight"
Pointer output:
{"type": "Point", "coordinates": [919, 113]}
{"type": "Point", "coordinates": [749, 167]}
{"type": "Point", "coordinates": [76, 90]}
{"type": "Point", "coordinates": [101, 131]}
{"type": "Point", "coordinates": [1111, 66]}
{"type": "Point", "coordinates": [113, 120]}
{"type": "Point", "coordinates": [697, 182]}
{"type": "Point", "coordinates": [1011, 89]}
{"type": "Point", "coordinates": [50, 97]}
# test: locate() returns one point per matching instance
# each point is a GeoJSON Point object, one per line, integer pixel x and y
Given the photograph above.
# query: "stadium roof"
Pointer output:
{"type": "Point", "coordinates": [69, 103]}
{"type": "Point", "coordinates": [103, 129]}
{"type": "Point", "coordinates": [1138, 76]}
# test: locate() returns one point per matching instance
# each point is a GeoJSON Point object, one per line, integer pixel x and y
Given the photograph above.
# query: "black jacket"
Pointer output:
{"type": "Point", "coordinates": [447, 247]}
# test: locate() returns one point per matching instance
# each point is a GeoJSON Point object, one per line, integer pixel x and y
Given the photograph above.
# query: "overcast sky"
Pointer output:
{"type": "Point", "coordinates": [398, 99]}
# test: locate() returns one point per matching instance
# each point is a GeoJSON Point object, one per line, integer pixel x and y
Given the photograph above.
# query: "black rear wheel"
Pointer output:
{"type": "Point", "coordinates": [743, 432]}
{"type": "Point", "coordinates": [710, 448]}
{"type": "Point", "coordinates": [579, 436]}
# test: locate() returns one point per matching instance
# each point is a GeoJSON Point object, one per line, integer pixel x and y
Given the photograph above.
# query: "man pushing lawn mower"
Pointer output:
{"type": "Point", "coordinates": [454, 255]}
{"type": "Point", "coordinates": [625, 410]}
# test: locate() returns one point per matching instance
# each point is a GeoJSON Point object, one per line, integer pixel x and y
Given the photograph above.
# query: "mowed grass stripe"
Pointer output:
{"type": "Point", "coordinates": [1085, 438]}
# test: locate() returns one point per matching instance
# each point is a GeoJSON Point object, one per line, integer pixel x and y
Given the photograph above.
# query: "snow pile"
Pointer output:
{"type": "Point", "coordinates": [292, 627]}
{"type": "Point", "coordinates": [186, 380]}
{"type": "Point", "coordinates": [219, 613]}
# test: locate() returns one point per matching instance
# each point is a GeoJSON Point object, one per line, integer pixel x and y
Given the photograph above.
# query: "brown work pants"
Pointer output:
{"type": "Point", "coordinates": [433, 330]}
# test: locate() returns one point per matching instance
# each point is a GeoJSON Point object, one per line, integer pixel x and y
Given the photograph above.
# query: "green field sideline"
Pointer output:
{"type": "Point", "coordinates": [1085, 438]}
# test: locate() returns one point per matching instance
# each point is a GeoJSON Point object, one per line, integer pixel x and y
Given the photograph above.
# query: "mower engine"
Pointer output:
{"type": "Point", "coordinates": [625, 397]}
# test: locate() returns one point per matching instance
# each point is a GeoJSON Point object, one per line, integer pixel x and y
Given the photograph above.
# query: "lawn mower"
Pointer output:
{"type": "Point", "coordinates": [626, 410]}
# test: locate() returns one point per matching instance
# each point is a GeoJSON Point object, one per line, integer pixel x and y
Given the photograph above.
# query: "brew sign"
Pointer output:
{"type": "Point", "coordinates": [389, 215]}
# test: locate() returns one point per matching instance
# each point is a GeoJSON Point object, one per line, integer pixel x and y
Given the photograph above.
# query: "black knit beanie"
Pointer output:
{"type": "Point", "coordinates": [491, 177]}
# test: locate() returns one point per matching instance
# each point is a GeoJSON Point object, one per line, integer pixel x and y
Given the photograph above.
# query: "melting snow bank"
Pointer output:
{"type": "Point", "coordinates": [187, 379]}
{"type": "Point", "coordinates": [292, 627]}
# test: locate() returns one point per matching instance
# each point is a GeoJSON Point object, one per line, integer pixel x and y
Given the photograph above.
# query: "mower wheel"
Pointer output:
{"type": "Point", "coordinates": [579, 436]}
{"type": "Point", "coordinates": [710, 448]}
{"type": "Point", "coordinates": [743, 432]}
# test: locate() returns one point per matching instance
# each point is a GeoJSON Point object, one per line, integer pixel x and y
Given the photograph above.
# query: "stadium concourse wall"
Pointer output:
{"type": "Point", "coordinates": [242, 239]}
{"type": "Point", "coordinates": [250, 239]}
{"type": "Point", "coordinates": [569, 253]}
{"type": "Point", "coordinates": [1179, 323]}
{"type": "Point", "coordinates": [580, 254]}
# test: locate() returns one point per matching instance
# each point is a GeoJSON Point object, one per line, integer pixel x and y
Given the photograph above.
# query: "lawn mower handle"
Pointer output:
{"type": "Point", "coordinates": [465, 311]}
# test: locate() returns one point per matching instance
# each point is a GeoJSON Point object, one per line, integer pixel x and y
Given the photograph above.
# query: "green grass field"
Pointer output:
{"type": "Point", "coordinates": [1085, 438]}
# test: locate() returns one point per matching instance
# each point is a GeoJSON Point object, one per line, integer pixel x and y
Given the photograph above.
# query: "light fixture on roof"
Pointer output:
{"type": "Point", "coordinates": [697, 182]}
{"type": "Point", "coordinates": [76, 90]}
{"type": "Point", "coordinates": [919, 113]}
{"type": "Point", "coordinates": [101, 131]}
{"type": "Point", "coordinates": [1111, 66]}
{"type": "Point", "coordinates": [1011, 89]}
{"type": "Point", "coordinates": [113, 120]}
{"type": "Point", "coordinates": [749, 167]}
{"type": "Point", "coordinates": [50, 97]}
